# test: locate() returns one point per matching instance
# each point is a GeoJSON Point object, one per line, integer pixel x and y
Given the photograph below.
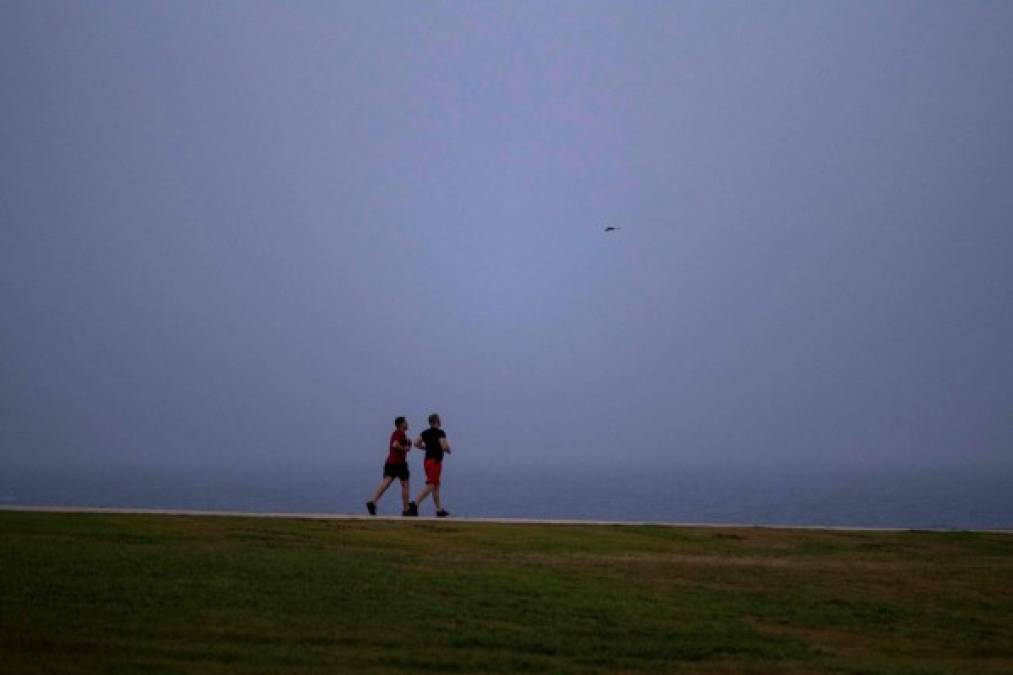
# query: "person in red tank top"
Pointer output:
{"type": "Point", "coordinates": [396, 466]}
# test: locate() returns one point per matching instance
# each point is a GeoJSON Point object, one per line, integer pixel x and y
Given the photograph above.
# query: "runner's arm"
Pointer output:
{"type": "Point", "coordinates": [445, 446]}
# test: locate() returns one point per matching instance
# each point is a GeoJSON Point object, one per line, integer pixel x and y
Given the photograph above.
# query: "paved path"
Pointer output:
{"type": "Point", "coordinates": [508, 521]}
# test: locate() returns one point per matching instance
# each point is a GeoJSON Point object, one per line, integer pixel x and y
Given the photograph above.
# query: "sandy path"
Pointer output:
{"type": "Point", "coordinates": [513, 521]}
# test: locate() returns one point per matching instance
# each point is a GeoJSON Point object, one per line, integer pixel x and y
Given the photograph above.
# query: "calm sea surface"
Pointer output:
{"type": "Point", "coordinates": [957, 497]}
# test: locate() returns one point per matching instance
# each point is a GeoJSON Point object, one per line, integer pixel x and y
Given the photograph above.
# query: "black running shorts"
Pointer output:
{"type": "Point", "coordinates": [399, 471]}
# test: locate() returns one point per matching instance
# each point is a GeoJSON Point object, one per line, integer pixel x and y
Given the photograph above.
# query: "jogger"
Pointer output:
{"type": "Point", "coordinates": [396, 466]}
{"type": "Point", "coordinates": [434, 440]}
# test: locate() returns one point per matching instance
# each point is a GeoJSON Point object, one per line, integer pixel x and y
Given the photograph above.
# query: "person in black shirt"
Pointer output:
{"type": "Point", "coordinates": [434, 440]}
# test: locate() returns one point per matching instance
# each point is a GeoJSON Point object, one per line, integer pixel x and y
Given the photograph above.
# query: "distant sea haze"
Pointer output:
{"type": "Point", "coordinates": [949, 497]}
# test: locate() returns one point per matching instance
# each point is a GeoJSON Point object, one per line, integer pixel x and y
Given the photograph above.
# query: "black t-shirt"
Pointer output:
{"type": "Point", "coordinates": [431, 437]}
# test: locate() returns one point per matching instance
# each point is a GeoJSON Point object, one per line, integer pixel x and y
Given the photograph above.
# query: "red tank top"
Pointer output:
{"type": "Point", "coordinates": [397, 453]}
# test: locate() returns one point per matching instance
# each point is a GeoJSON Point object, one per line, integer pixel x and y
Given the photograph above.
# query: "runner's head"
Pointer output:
{"type": "Point", "coordinates": [434, 420]}
{"type": "Point", "coordinates": [401, 423]}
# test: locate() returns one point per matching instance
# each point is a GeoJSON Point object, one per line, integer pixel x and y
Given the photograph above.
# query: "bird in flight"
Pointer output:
{"type": "Point", "coordinates": [611, 228]}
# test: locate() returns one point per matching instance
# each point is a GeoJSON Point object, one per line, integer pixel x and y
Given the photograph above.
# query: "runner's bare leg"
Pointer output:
{"type": "Point", "coordinates": [384, 484]}
{"type": "Point", "coordinates": [425, 493]}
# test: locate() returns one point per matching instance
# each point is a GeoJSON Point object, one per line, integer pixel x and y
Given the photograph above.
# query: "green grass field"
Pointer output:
{"type": "Point", "coordinates": [105, 593]}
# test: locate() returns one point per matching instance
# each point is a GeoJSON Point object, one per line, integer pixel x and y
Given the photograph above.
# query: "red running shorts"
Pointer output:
{"type": "Point", "coordinates": [433, 471]}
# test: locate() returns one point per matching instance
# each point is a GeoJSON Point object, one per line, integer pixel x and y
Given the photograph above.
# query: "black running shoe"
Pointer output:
{"type": "Point", "coordinates": [413, 509]}
{"type": "Point", "coordinates": [371, 507]}
{"type": "Point", "coordinates": [442, 514]}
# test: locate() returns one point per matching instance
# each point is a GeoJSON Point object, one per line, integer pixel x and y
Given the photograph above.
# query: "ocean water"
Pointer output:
{"type": "Point", "coordinates": [972, 497]}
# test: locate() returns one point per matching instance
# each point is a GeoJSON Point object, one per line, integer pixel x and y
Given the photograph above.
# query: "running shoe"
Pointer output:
{"type": "Point", "coordinates": [371, 507]}
{"type": "Point", "coordinates": [442, 514]}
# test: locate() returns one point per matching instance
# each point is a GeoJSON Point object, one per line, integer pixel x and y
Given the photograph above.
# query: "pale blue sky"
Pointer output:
{"type": "Point", "coordinates": [250, 231]}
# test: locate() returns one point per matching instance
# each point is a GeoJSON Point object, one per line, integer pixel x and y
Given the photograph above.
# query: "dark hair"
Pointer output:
{"type": "Point", "coordinates": [434, 419]}
{"type": "Point", "coordinates": [398, 421]}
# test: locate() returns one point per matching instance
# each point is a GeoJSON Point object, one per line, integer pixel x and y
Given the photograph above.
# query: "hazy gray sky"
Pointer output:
{"type": "Point", "coordinates": [248, 231]}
